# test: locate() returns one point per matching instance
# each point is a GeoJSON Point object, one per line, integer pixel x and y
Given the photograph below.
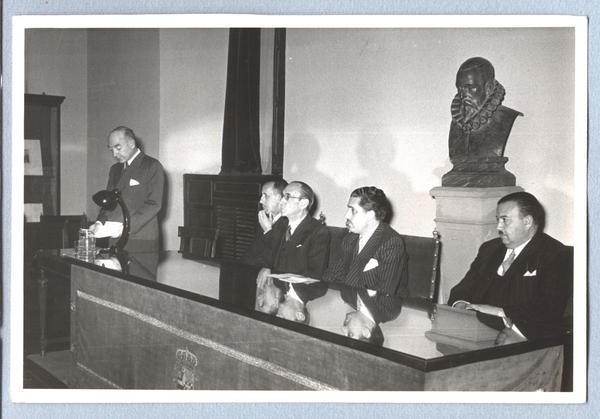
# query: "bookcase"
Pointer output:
{"type": "Point", "coordinates": [41, 165]}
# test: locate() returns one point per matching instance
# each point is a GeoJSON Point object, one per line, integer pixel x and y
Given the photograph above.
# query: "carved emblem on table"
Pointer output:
{"type": "Point", "coordinates": [185, 369]}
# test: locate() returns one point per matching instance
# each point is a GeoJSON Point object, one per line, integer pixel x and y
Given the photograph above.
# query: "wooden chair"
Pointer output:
{"type": "Point", "coordinates": [199, 243]}
{"type": "Point", "coordinates": [336, 234]}
{"type": "Point", "coordinates": [423, 261]}
{"type": "Point", "coordinates": [423, 266]}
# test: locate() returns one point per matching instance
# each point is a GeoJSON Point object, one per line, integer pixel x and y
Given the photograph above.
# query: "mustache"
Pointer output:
{"type": "Point", "coordinates": [467, 102]}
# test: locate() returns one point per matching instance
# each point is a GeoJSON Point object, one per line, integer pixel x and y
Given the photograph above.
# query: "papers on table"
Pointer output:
{"type": "Point", "coordinates": [109, 229]}
{"type": "Point", "coordinates": [293, 278]}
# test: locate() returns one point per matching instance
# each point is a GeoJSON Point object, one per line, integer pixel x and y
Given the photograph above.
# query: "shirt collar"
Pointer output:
{"type": "Point", "coordinates": [517, 249]}
{"type": "Point", "coordinates": [133, 157]}
{"type": "Point", "coordinates": [294, 224]}
{"type": "Point", "coordinates": [364, 238]}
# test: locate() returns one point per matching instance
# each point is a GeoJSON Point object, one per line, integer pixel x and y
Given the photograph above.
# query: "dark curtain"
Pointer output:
{"type": "Point", "coordinates": [241, 142]}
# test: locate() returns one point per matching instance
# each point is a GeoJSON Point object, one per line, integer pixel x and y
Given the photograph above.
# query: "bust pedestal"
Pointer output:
{"type": "Point", "coordinates": [465, 218]}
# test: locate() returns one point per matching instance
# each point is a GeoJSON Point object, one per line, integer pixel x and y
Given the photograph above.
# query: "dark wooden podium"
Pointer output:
{"type": "Point", "coordinates": [178, 332]}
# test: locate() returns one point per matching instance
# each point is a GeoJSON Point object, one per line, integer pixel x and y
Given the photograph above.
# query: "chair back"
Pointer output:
{"type": "Point", "coordinates": [423, 261]}
{"type": "Point", "coordinates": [335, 244]}
{"type": "Point", "coordinates": [423, 265]}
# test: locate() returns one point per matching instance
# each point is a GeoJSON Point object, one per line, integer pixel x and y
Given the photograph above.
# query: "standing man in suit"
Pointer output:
{"type": "Point", "coordinates": [300, 246]}
{"type": "Point", "coordinates": [268, 217]}
{"type": "Point", "coordinates": [523, 279]}
{"type": "Point", "coordinates": [140, 179]}
{"type": "Point", "coordinates": [373, 261]}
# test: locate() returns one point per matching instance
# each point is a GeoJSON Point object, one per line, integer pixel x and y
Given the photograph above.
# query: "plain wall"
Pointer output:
{"type": "Point", "coordinates": [372, 107]}
{"type": "Point", "coordinates": [363, 107]}
{"type": "Point", "coordinates": [123, 89]}
{"type": "Point", "coordinates": [193, 70]}
{"type": "Point", "coordinates": [56, 64]}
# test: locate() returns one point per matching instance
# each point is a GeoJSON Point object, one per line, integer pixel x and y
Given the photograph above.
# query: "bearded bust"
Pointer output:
{"type": "Point", "coordinates": [479, 129]}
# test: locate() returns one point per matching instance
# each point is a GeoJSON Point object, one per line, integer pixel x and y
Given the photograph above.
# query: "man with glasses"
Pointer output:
{"type": "Point", "coordinates": [300, 246]}
{"type": "Point", "coordinates": [141, 180]}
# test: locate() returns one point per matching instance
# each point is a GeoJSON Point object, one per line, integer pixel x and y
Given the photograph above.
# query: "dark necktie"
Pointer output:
{"type": "Point", "coordinates": [288, 233]}
{"type": "Point", "coordinates": [509, 260]}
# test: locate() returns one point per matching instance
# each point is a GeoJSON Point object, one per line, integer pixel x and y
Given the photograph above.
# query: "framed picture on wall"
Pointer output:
{"type": "Point", "coordinates": [33, 158]}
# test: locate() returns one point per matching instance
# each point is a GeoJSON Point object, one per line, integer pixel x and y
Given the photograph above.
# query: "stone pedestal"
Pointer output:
{"type": "Point", "coordinates": [465, 218]}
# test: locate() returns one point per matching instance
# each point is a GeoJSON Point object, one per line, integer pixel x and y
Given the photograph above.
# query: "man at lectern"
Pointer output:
{"type": "Point", "coordinates": [523, 279]}
{"type": "Point", "coordinates": [140, 180]}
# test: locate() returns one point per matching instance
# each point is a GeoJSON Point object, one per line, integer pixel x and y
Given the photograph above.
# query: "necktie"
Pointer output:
{"type": "Point", "coordinates": [509, 260]}
{"type": "Point", "coordinates": [288, 233]}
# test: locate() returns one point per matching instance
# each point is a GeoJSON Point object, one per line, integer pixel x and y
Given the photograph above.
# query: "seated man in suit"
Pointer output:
{"type": "Point", "coordinates": [373, 260]}
{"type": "Point", "coordinates": [521, 280]}
{"type": "Point", "coordinates": [270, 200]}
{"type": "Point", "coordinates": [299, 246]}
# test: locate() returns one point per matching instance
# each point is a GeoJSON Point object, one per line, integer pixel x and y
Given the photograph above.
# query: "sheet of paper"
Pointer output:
{"type": "Point", "coordinates": [293, 278]}
{"type": "Point", "coordinates": [109, 229]}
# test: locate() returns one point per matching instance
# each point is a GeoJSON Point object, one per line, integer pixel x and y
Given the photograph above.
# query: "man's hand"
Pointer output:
{"type": "Point", "coordinates": [485, 308]}
{"type": "Point", "coordinates": [95, 227]}
{"type": "Point", "coordinates": [460, 304]}
{"type": "Point", "coordinates": [265, 221]}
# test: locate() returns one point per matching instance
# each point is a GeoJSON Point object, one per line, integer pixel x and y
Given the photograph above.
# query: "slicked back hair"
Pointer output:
{"type": "Point", "coordinates": [373, 198]}
{"type": "Point", "coordinates": [528, 205]}
{"type": "Point", "coordinates": [278, 186]}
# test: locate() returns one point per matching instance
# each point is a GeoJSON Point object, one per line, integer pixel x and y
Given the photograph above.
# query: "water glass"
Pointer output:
{"type": "Point", "coordinates": [86, 245]}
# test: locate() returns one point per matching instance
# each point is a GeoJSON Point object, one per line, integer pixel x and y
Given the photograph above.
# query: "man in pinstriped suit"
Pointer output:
{"type": "Point", "coordinates": [373, 261]}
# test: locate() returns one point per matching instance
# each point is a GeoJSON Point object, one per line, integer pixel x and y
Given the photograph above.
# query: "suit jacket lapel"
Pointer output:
{"type": "Point", "coordinates": [299, 233]}
{"type": "Point", "coordinates": [127, 175]}
{"type": "Point", "coordinates": [359, 261]}
{"type": "Point", "coordinates": [527, 259]}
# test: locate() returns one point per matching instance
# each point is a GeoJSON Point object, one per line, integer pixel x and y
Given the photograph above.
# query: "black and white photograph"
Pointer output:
{"type": "Point", "coordinates": [274, 208]}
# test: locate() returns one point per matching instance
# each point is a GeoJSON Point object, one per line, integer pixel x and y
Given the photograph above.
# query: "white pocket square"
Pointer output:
{"type": "Point", "coordinates": [300, 245]}
{"type": "Point", "coordinates": [133, 182]}
{"type": "Point", "coordinates": [532, 273]}
{"type": "Point", "coordinates": [371, 264]}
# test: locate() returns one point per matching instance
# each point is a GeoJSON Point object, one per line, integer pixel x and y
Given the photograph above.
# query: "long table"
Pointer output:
{"type": "Point", "coordinates": [169, 322]}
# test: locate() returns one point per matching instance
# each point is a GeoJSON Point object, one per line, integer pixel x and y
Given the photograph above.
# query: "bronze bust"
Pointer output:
{"type": "Point", "coordinates": [479, 129]}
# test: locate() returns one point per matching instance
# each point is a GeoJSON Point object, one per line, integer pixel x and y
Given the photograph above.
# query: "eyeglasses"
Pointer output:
{"type": "Point", "coordinates": [287, 196]}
